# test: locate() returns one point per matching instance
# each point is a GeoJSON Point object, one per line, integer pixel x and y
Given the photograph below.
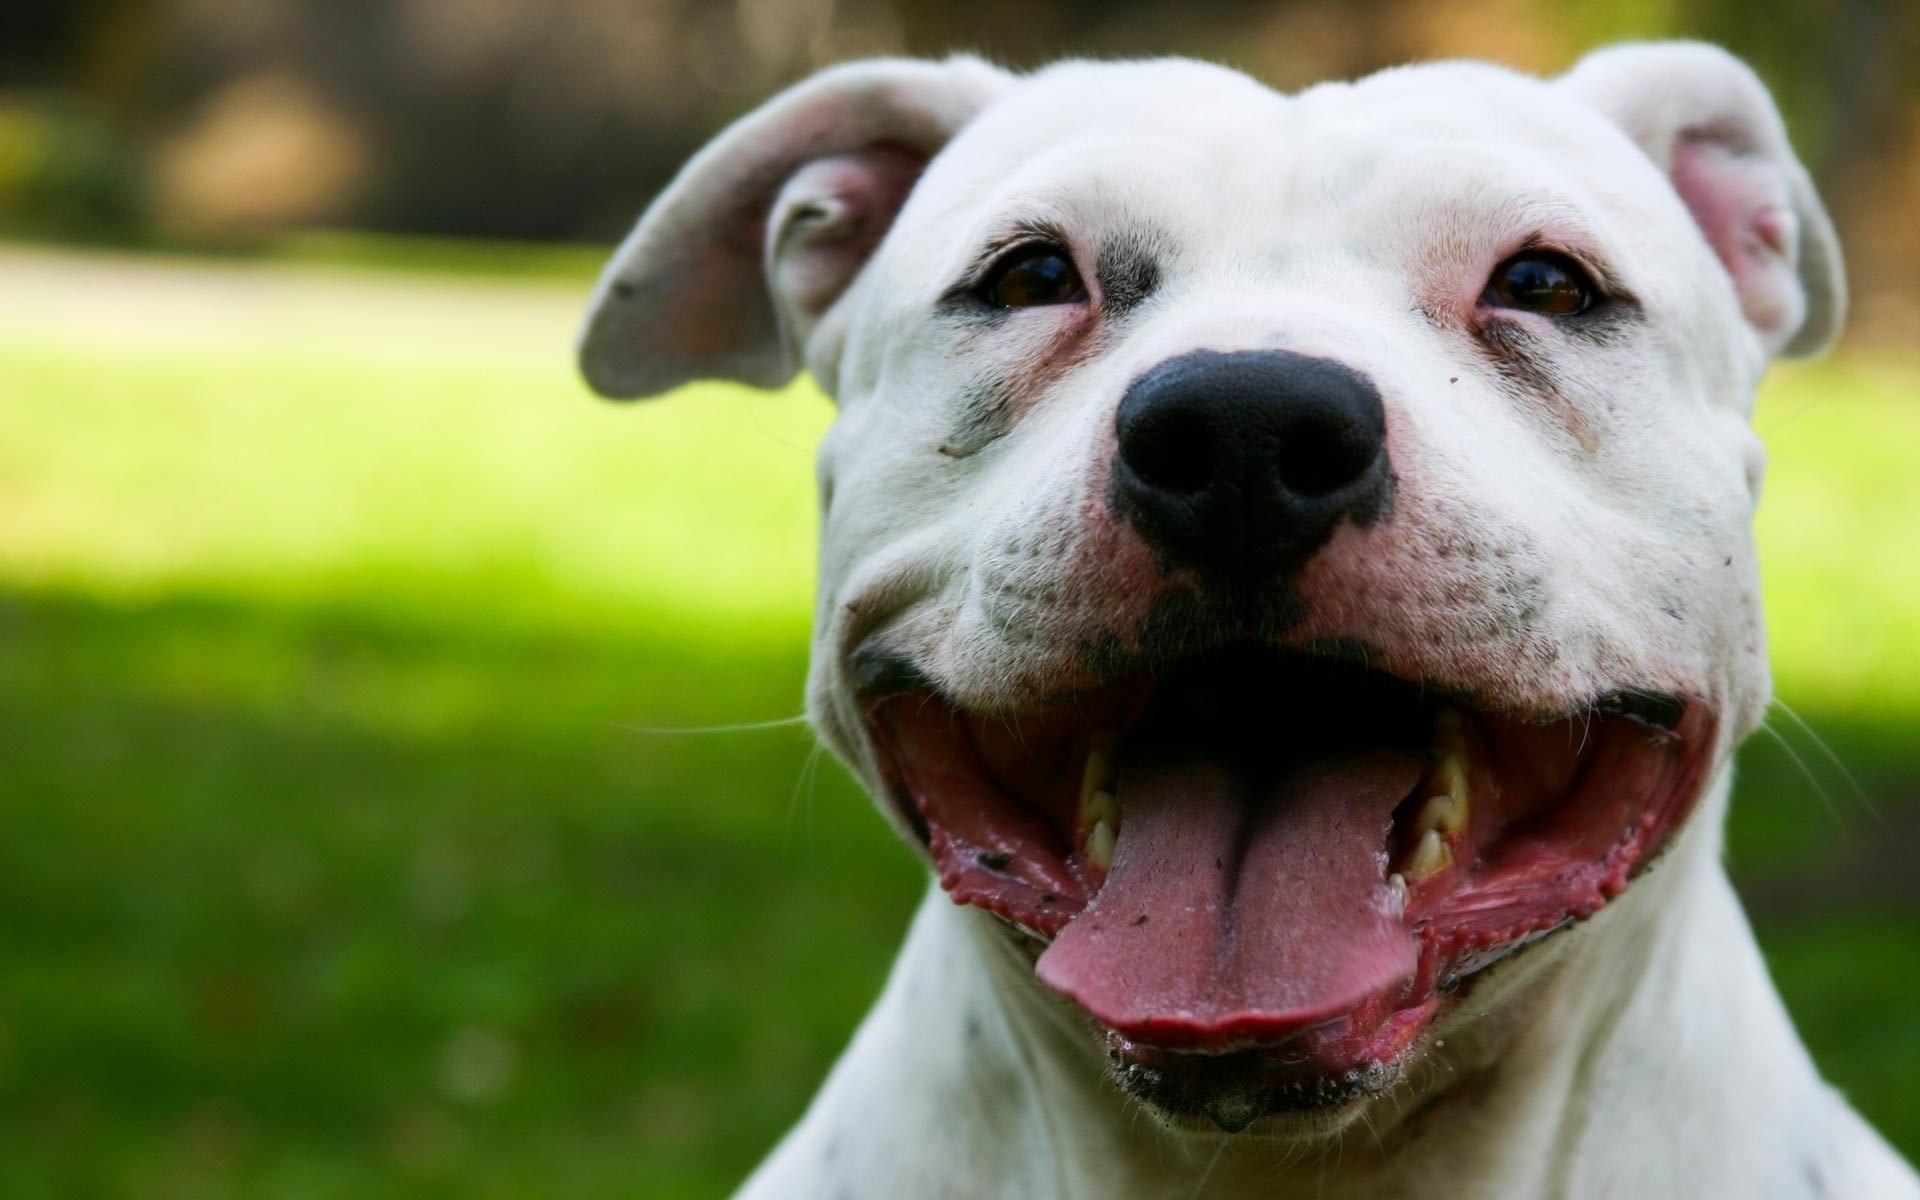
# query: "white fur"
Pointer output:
{"type": "Point", "coordinates": [1547, 545]}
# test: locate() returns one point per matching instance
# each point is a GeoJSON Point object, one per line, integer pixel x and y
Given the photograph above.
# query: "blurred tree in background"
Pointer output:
{"type": "Point", "coordinates": [210, 122]}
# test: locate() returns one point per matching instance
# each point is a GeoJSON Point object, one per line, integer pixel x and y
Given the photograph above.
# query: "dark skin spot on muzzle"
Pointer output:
{"type": "Point", "coordinates": [1187, 620]}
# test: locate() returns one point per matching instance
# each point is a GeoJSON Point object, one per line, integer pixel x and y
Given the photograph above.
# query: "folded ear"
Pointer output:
{"type": "Point", "coordinates": [763, 230]}
{"type": "Point", "coordinates": [1708, 122]}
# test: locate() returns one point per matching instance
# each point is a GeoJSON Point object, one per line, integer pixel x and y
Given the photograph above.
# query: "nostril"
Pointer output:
{"type": "Point", "coordinates": [1174, 454]}
{"type": "Point", "coordinates": [1174, 465]}
{"type": "Point", "coordinates": [1314, 466]}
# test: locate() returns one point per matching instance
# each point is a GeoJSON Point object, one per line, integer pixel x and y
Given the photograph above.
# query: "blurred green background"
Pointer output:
{"type": "Point", "coordinates": [343, 855]}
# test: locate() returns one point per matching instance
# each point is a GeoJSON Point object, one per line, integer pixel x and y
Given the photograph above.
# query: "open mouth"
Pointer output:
{"type": "Point", "coordinates": [1275, 867]}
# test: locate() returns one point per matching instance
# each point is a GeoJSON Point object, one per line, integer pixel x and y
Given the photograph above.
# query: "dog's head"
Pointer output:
{"type": "Point", "coordinates": [1281, 553]}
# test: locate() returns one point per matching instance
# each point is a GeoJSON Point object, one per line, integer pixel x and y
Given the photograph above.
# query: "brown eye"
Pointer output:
{"type": "Point", "coordinates": [1541, 282]}
{"type": "Point", "coordinates": [1033, 275]}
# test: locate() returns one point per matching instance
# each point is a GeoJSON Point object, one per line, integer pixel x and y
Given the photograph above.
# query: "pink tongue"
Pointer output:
{"type": "Point", "coordinates": [1241, 906]}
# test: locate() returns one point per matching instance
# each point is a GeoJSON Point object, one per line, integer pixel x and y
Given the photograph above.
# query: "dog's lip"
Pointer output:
{"type": "Point", "coordinates": [1677, 730]}
{"type": "Point", "coordinates": [879, 673]}
{"type": "Point", "coordinates": [1654, 709]}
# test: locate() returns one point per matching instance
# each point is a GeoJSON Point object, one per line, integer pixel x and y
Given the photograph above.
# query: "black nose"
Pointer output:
{"type": "Point", "coordinates": [1242, 464]}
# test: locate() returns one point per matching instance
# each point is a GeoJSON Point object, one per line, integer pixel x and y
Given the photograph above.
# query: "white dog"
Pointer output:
{"type": "Point", "coordinates": [1283, 555]}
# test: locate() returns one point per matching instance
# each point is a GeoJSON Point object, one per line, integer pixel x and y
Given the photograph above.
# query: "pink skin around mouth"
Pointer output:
{"type": "Point", "coordinates": [1251, 902]}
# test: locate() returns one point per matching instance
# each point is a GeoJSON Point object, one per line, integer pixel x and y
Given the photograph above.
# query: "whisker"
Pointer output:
{"type": "Point", "coordinates": [683, 730]}
{"type": "Point", "coordinates": [1853, 784]}
{"type": "Point", "coordinates": [1819, 788]}
{"type": "Point", "coordinates": [1207, 1174]}
{"type": "Point", "coordinates": [1367, 1121]}
{"type": "Point", "coordinates": [809, 776]}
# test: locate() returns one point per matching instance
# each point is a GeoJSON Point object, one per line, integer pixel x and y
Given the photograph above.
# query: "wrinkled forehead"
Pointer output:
{"type": "Point", "coordinates": [1396, 157]}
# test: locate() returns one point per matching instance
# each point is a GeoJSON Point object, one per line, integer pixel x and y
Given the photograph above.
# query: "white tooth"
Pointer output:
{"type": "Point", "coordinates": [1099, 806]}
{"type": "Point", "coordinates": [1443, 812]}
{"type": "Point", "coordinates": [1099, 809]}
{"type": "Point", "coordinates": [1450, 776]}
{"type": "Point", "coordinates": [1397, 893]}
{"type": "Point", "coordinates": [1098, 775]}
{"type": "Point", "coordinates": [1100, 842]}
{"type": "Point", "coordinates": [1430, 856]}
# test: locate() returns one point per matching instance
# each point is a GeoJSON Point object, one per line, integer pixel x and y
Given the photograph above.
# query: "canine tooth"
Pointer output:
{"type": "Point", "coordinates": [1444, 812]}
{"type": "Point", "coordinates": [1098, 775]}
{"type": "Point", "coordinates": [1100, 808]}
{"type": "Point", "coordinates": [1430, 856]}
{"type": "Point", "coordinates": [1450, 776]}
{"type": "Point", "coordinates": [1100, 842]}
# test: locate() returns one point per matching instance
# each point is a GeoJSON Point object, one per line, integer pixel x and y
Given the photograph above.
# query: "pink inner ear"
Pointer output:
{"type": "Point", "coordinates": [829, 219]}
{"type": "Point", "coordinates": [1741, 204]}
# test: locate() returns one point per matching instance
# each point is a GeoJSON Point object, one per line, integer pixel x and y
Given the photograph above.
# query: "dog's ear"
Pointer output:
{"type": "Point", "coordinates": [1709, 123]}
{"type": "Point", "coordinates": [763, 230]}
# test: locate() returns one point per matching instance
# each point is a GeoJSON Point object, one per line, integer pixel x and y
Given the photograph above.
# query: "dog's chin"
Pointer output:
{"type": "Point", "coordinates": [1260, 1092]}
{"type": "Point", "coordinates": [1264, 875]}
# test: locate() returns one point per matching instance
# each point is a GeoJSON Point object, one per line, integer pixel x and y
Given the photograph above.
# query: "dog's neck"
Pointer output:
{"type": "Point", "coordinates": [1530, 1099]}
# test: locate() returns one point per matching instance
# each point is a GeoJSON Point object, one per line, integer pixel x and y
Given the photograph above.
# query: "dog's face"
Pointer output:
{"type": "Point", "coordinates": [1281, 554]}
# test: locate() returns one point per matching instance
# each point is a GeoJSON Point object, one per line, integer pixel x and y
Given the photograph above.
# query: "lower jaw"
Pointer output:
{"type": "Point", "coordinates": [1312, 1072]}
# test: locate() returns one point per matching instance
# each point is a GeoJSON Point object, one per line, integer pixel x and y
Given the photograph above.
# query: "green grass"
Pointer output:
{"type": "Point", "coordinates": [338, 864]}
{"type": "Point", "coordinates": [486, 260]}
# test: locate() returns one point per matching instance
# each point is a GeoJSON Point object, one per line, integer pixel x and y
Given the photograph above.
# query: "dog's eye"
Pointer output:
{"type": "Point", "coordinates": [1032, 275]}
{"type": "Point", "coordinates": [1541, 282]}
